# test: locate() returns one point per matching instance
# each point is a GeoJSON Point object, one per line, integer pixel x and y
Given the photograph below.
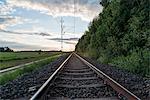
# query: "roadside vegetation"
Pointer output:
{"type": "Point", "coordinates": [120, 36]}
{"type": "Point", "coordinates": [8, 76]}
{"type": "Point", "coordinates": [10, 59]}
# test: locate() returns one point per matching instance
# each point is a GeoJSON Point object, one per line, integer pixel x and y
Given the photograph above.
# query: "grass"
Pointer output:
{"type": "Point", "coordinates": [137, 62]}
{"type": "Point", "coordinates": [5, 56]}
{"type": "Point", "coordinates": [10, 59]}
{"type": "Point", "coordinates": [5, 77]}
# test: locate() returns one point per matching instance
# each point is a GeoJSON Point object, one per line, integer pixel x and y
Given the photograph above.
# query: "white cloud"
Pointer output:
{"type": "Point", "coordinates": [27, 40]}
{"type": "Point", "coordinates": [20, 46]}
{"type": "Point", "coordinates": [6, 21]}
{"type": "Point", "coordinates": [5, 9]}
{"type": "Point", "coordinates": [85, 9]}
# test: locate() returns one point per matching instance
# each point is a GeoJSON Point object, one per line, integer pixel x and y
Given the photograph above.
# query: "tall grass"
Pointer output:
{"type": "Point", "coordinates": [136, 62]}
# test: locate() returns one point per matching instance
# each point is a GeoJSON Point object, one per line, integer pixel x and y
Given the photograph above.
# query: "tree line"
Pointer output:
{"type": "Point", "coordinates": [5, 49]}
{"type": "Point", "coordinates": [120, 35]}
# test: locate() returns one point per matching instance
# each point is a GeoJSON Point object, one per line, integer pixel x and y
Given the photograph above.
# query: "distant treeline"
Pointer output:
{"type": "Point", "coordinates": [120, 35]}
{"type": "Point", "coordinates": [5, 49]}
{"type": "Point", "coordinates": [39, 51]}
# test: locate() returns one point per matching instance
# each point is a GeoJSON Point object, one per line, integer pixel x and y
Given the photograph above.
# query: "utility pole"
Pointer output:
{"type": "Point", "coordinates": [62, 29]}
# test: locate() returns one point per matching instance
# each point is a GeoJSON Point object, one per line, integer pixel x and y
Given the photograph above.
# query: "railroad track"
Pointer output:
{"type": "Point", "coordinates": [78, 79]}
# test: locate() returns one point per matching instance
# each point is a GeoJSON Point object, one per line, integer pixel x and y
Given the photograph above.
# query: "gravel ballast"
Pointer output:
{"type": "Point", "coordinates": [25, 86]}
{"type": "Point", "coordinates": [134, 83]}
{"type": "Point", "coordinates": [73, 82]}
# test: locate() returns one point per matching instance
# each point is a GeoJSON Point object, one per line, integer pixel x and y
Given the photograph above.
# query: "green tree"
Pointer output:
{"type": "Point", "coordinates": [120, 33]}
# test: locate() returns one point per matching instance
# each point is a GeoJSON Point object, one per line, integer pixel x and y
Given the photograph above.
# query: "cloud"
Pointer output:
{"type": "Point", "coordinates": [85, 9]}
{"type": "Point", "coordinates": [7, 18]}
{"type": "Point", "coordinates": [28, 33]}
{"type": "Point", "coordinates": [5, 9]}
{"type": "Point", "coordinates": [74, 39]}
{"type": "Point", "coordinates": [6, 21]}
{"type": "Point", "coordinates": [20, 46]}
{"type": "Point", "coordinates": [66, 40]}
{"type": "Point", "coordinates": [74, 43]}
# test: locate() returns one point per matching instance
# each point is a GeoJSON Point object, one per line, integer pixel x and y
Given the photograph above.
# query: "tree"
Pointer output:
{"type": "Point", "coordinates": [105, 2]}
{"type": "Point", "coordinates": [121, 31]}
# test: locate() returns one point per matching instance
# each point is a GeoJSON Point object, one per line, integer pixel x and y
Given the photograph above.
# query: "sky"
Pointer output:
{"type": "Point", "coordinates": [36, 25]}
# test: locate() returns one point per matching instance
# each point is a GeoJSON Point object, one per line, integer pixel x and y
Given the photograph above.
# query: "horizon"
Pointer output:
{"type": "Point", "coordinates": [38, 50]}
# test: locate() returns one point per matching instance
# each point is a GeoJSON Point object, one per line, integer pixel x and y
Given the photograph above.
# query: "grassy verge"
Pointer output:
{"type": "Point", "coordinates": [6, 56]}
{"type": "Point", "coordinates": [16, 59]}
{"type": "Point", "coordinates": [136, 62]}
{"type": "Point", "coordinates": [29, 68]}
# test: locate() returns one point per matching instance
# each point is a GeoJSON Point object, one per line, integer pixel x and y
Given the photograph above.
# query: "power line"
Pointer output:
{"type": "Point", "coordinates": [62, 27]}
{"type": "Point", "coordinates": [62, 31]}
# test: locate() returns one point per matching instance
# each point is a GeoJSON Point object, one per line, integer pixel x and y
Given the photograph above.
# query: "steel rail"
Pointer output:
{"type": "Point", "coordinates": [115, 85]}
{"type": "Point", "coordinates": [43, 87]}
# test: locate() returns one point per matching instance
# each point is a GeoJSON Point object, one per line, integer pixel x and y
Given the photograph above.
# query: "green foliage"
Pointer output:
{"type": "Point", "coordinates": [120, 32]}
{"type": "Point", "coordinates": [104, 2]}
{"type": "Point", "coordinates": [137, 62]}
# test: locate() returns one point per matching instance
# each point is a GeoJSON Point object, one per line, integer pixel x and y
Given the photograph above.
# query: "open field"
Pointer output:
{"type": "Point", "coordinates": [10, 59]}
{"type": "Point", "coordinates": [5, 77]}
